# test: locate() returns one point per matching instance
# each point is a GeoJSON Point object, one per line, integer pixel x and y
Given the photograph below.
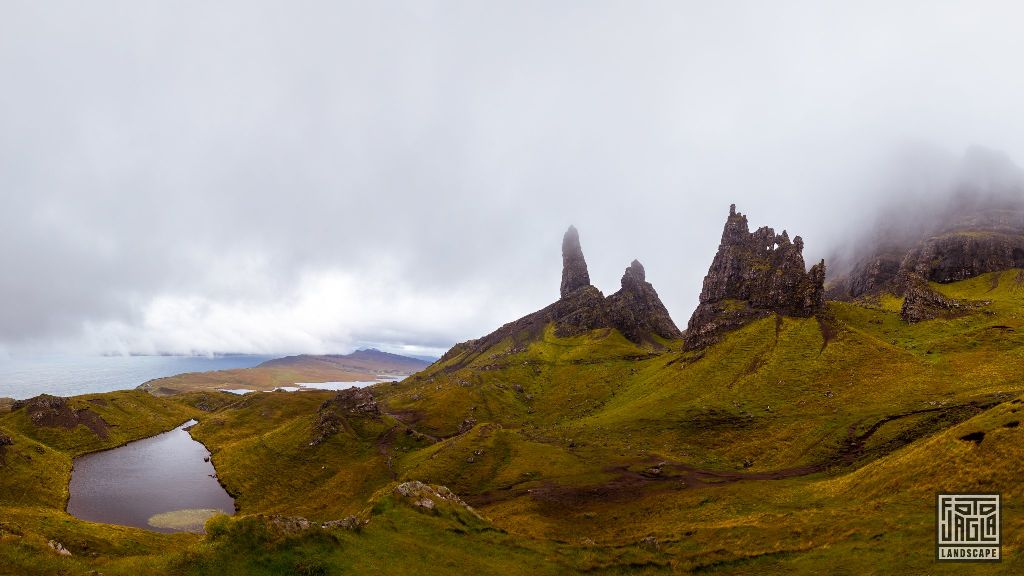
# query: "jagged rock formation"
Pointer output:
{"type": "Point", "coordinates": [53, 412]}
{"type": "Point", "coordinates": [635, 310]}
{"type": "Point", "coordinates": [754, 274]}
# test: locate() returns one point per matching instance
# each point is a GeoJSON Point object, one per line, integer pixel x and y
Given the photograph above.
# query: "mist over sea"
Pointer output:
{"type": "Point", "coordinates": [24, 377]}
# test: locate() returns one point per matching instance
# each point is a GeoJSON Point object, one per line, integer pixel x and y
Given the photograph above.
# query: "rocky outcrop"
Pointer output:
{"type": "Point", "coordinates": [349, 403]}
{"type": "Point", "coordinates": [346, 523]}
{"type": "Point", "coordinates": [430, 496]}
{"type": "Point", "coordinates": [635, 310]}
{"type": "Point", "coordinates": [754, 274]}
{"type": "Point", "coordinates": [58, 548]}
{"type": "Point", "coordinates": [574, 266]}
{"type": "Point", "coordinates": [54, 412]}
{"type": "Point", "coordinates": [921, 302]}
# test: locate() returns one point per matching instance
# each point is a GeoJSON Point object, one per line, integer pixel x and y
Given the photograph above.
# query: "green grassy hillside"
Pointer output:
{"type": "Point", "coordinates": [792, 446]}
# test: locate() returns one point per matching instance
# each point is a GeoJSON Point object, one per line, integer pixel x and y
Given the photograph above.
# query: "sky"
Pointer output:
{"type": "Point", "coordinates": [281, 177]}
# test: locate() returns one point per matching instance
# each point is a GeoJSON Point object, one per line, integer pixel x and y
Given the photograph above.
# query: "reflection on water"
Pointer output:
{"type": "Point", "coordinates": [154, 477]}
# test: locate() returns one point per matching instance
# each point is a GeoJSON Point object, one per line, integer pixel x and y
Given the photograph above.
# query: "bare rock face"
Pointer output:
{"type": "Point", "coordinates": [947, 257]}
{"type": "Point", "coordinates": [574, 266]}
{"type": "Point", "coordinates": [963, 255]}
{"type": "Point", "coordinates": [635, 310]}
{"type": "Point", "coordinates": [880, 272]}
{"type": "Point", "coordinates": [754, 274]}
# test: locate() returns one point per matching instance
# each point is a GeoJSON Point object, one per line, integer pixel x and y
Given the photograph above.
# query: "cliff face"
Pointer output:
{"type": "Point", "coordinates": [635, 310]}
{"type": "Point", "coordinates": [973, 227]}
{"type": "Point", "coordinates": [947, 257]}
{"type": "Point", "coordinates": [754, 274]}
{"type": "Point", "coordinates": [963, 255]}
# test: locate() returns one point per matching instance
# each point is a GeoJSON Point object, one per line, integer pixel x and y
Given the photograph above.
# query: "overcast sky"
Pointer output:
{"type": "Point", "coordinates": [198, 177]}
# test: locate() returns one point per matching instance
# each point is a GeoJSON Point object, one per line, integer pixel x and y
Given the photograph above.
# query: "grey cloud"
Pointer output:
{"type": "Point", "coordinates": [170, 151]}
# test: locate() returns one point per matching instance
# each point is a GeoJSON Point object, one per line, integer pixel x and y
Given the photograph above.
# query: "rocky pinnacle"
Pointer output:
{"type": "Point", "coordinates": [635, 311]}
{"type": "Point", "coordinates": [754, 274]}
{"type": "Point", "coordinates": [574, 267]}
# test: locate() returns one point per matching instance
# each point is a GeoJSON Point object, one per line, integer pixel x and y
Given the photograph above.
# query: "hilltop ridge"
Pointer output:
{"type": "Point", "coordinates": [635, 309]}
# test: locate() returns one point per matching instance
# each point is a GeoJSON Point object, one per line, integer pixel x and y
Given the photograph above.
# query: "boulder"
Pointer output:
{"type": "Point", "coordinates": [58, 548]}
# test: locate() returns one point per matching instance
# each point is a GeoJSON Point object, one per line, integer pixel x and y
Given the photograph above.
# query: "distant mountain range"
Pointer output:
{"type": "Point", "coordinates": [359, 366]}
{"type": "Point", "coordinates": [369, 360]}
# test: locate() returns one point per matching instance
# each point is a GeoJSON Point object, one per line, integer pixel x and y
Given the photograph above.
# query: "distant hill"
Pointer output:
{"type": "Point", "coordinates": [359, 366]}
{"type": "Point", "coordinates": [369, 360]}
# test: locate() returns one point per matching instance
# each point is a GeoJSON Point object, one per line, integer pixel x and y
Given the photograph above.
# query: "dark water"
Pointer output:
{"type": "Point", "coordinates": [24, 377]}
{"type": "Point", "coordinates": [131, 484]}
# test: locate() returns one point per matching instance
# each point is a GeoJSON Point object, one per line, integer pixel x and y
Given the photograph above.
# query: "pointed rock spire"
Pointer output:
{"type": "Point", "coordinates": [574, 266]}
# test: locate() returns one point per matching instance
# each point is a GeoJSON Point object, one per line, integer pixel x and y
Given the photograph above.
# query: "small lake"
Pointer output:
{"type": "Point", "coordinates": [161, 483]}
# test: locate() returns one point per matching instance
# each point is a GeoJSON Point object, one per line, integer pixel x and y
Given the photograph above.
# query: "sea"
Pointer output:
{"type": "Point", "coordinates": [27, 376]}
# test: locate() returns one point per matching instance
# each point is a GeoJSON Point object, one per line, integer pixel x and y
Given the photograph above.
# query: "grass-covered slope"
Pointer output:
{"type": "Point", "coordinates": [792, 446]}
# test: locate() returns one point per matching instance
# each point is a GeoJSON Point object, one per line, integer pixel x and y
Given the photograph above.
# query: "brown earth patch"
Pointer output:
{"type": "Point", "coordinates": [54, 412]}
